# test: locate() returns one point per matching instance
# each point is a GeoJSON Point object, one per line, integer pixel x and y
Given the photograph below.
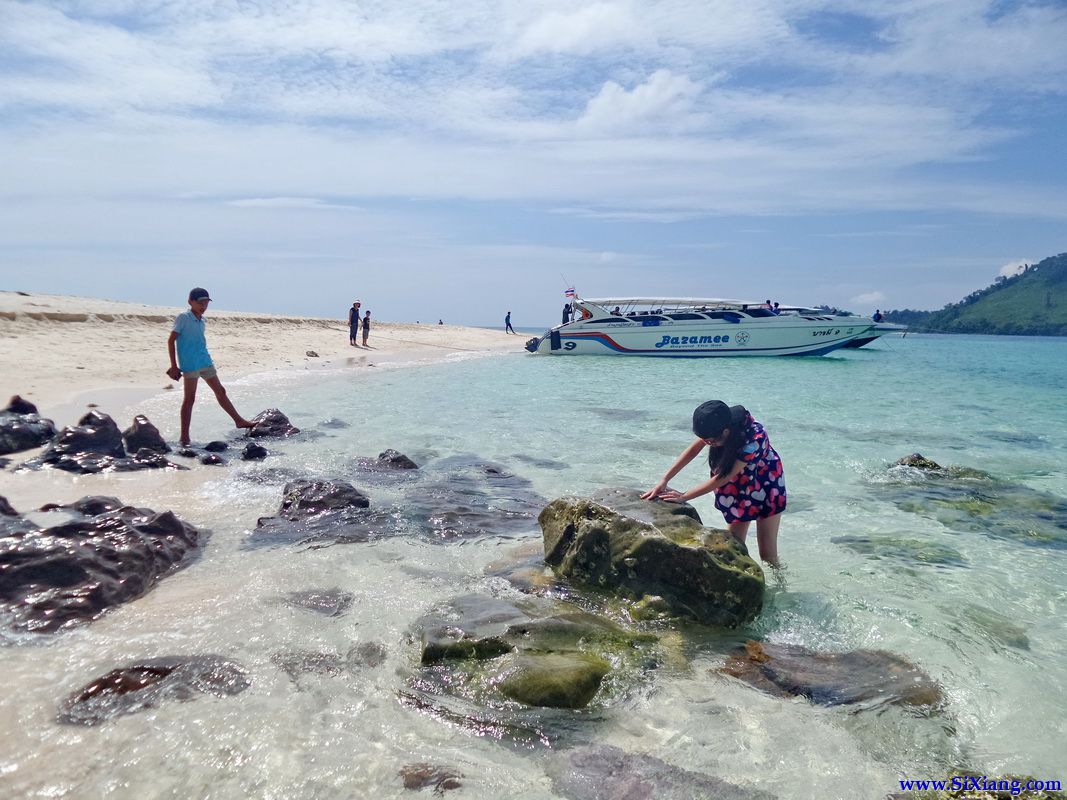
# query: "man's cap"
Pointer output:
{"type": "Point", "coordinates": [199, 294]}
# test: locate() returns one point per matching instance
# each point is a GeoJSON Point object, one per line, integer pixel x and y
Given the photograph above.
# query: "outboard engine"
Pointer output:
{"type": "Point", "coordinates": [532, 344]}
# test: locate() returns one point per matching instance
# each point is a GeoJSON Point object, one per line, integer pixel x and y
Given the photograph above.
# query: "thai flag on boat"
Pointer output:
{"type": "Point", "coordinates": [569, 292]}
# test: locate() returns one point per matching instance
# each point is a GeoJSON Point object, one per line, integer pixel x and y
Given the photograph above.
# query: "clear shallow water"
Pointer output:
{"type": "Point", "coordinates": [980, 612]}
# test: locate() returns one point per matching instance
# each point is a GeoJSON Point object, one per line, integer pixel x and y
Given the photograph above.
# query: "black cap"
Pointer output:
{"type": "Point", "coordinates": [711, 418]}
{"type": "Point", "coordinates": [199, 294]}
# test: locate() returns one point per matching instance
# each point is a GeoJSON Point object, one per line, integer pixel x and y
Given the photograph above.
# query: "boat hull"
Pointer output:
{"type": "Point", "coordinates": [876, 332]}
{"type": "Point", "coordinates": [775, 336]}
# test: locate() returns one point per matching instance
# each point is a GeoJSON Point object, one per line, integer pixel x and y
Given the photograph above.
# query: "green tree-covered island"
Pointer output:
{"type": "Point", "coordinates": [1032, 303]}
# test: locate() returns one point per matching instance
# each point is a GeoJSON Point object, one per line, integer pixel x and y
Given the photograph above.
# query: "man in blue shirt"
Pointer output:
{"type": "Point", "coordinates": [189, 359]}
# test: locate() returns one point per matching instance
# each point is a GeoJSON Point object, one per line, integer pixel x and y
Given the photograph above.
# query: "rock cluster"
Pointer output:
{"type": "Point", "coordinates": [21, 428]}
{"type": "Point", "coordinates": [98, 554]}
{"type": "Point", "coordinates": [95, 444]}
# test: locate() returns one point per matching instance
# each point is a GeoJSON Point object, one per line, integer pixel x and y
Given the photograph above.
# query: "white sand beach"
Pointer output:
{"type": "Point", "coordinates": [63, 353]}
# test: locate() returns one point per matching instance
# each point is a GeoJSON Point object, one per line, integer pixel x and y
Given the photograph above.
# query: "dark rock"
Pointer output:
{"type": "Point", "coordinates": [54, 577]}
{"type": "Point", "coordinates": [143, 435]}
{"type": "Point", "coordinates": [216, 447]}
{"type": "Point", "coordinates": [421, 776]}
{"type": "Point", "coordinates": [212, 459]}
{"type": "Point", "coordinates": [95, 445]}
{"type": "Point", "coordinates": [872, 678]}
{"type": "Point", "coordinates": [548, 680]}
{"type": "Point", "coordinates": [306, 498]}
{"type": "Point", "coordinates": [330, 602]}
{"type": "Point", "coordinates": [16, 405]}
{"type": "Point", "coordinates": [311, 354]}
{"type": "Point", "coordinates": [316, 511]}
{"type": "Point", "coordinates": [918, 461]}
{"type": "Point", "coordinates": [6, 508]}
{"type": "Point", "coordinates": [391, 459]}
{"type": "Point", "coordinates": [187, 452]}
{"type": "Point", "coordinates": [151, 682]}
{"type": "Point", "coordinates": [603, 772]}
{"type": "Point", "coordinates": [272, 423]}
{"type": "Point", "coordinates": [253, 452]}
{"type": "Point", "coordinates": [23, 430]}
{"type": "Point", "coordinates": [642, 550]}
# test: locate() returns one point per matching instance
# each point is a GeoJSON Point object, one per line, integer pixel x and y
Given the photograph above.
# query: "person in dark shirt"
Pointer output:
{"type": "Point", "coordinates": [877, 315]}
{"type": "Point", "coordinates": [507, 324]}
{"type": "Point", "coordinates": [566, 313]}
{"type": "Point", "coordinates": [353, 323]}
{"type": "Point", "coordinates": [366, 328]}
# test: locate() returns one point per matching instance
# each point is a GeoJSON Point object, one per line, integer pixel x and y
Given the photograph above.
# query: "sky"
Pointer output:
{"type": "Point", "coordinates": [460, 159]}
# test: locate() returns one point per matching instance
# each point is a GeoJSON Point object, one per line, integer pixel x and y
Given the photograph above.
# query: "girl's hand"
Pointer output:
{"type": "Point", "coordinates": [656, 491]}
{"type": "Point", "coordinates": [672, 496]}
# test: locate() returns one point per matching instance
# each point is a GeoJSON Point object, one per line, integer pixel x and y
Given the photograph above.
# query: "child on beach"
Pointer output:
{"type": "Point", "coordinates": [353, 323]}
{"type": "Point", "coordinates": [366, 328]}
{"type": "Point", "coordinates": [746, 474]}
{"type": "Point", "coordinates": [189, 359]}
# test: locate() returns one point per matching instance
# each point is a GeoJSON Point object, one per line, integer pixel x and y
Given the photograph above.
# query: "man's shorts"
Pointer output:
{"type": "Point", "coordinates": [206, 372]}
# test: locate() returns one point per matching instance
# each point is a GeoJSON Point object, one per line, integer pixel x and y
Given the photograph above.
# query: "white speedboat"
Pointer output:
{"type": "Point", "coordinates": [879, 329]}
{"type": "Point", "coordinates": [694, 328]}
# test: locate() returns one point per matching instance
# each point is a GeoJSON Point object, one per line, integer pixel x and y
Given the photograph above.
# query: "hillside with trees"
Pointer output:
{"type": "Point", "coordinates": [1031, 303]}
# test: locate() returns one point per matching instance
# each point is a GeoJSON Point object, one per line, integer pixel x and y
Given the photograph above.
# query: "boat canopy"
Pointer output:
{"type": "Point", "coordinates": [669, 302]}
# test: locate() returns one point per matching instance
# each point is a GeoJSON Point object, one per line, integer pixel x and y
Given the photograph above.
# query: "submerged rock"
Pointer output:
{"type": "Point", "coordinates": [328, 602]}
{"type": "Point", "coordinates": [603, 772]}
{"type": "Point", "coordinates": [540, 653]}
{"type": "Point", "coordinates": [968, 500]}
{"type": "Point", "coordinates": [272, 423]}
{"type": "Point", "coordinates": [143, 435]}
{"type": "Point", "coordinates": [217, 446]}
{"type": "Point", "coordinates": [392, 459]}
{"type": "Point", "coordinates": [22, 428]}
{"type": "Point", "coordinates": [95, 445]}
{"type": "Point", "coordinates": [869, 677]}
{"type": "Point", "coordinates": [151, 682]}
{"type": "Point", "coordinates": [100, 554]}
{"type": "Point", "coordinates": [254, 452]}
{"type": "Point", "coordinates": [907, 551]}
{"type": "Point", "coordinates": [309, 662]}
{"type": "Point", "coordinates": [652, 550]}
{"type": "Point", "coordinates": [315, 510]}
{"type": "Point", "coordinates": [422, 776]}
{"type": "Point", "coordinates": [212, 459]}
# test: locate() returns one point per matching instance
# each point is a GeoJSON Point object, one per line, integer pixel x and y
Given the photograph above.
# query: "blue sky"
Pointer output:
{"type": "Point", "coordinates": [459, 159]}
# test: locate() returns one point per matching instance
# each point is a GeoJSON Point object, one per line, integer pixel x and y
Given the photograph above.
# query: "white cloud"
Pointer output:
{"type": "Point", "coordinates": [289, 202]}
{"type": "Point", "coordinates": [580, 31]}
{"type": "Point", "coordinates": [663, 102]}
{"type": "Point", "coordinates": [875, 298]}
{"type": "Point", "coordinates": [1013, 268]}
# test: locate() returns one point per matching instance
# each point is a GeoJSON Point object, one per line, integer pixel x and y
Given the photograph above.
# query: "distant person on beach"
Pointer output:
{"type": "Point", "coordinates": [746, 474]}
{"type": "Point", "coordinates": [507, 324]}
{"type": "Point", "coordinates": [440, 322]}
{"type": "Point", "coordinates": [353, 323]}
{"type": "Point", "coordinates": [190, 360]}
{"type": "Point", "coordinates": [877, 315]}
{"type": "Point", "coordinates": [366, 328]}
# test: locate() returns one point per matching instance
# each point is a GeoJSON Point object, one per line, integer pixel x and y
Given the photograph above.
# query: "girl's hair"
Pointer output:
{"type": "Point", "coordinates": [722, 458]}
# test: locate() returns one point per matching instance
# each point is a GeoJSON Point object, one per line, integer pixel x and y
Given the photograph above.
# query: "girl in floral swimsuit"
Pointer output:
{"type": "Point", "coordinates": [746, 473]}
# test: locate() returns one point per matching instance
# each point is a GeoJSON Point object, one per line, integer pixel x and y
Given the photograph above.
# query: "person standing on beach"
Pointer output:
{"type": "Point", "coordinates": [507, 324]}
{"type": "Point", "coordinates": [189, 359]}
{"type": "Point", "coordinates": [353, 323]}
{"type": "Point", "coordinates": [746, 474]}
{"type": "Point", "coordinates": [366, 328]}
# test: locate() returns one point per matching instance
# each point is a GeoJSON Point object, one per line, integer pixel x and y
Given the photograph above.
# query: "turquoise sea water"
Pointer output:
{"type": "Point", "coordinates": [969, 586]}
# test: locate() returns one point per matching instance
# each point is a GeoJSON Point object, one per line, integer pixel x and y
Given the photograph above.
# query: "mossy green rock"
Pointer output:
{"type": "Point", "coordinates": [618, 543]}
{"type": "Point", "coordinates": [552, 680]}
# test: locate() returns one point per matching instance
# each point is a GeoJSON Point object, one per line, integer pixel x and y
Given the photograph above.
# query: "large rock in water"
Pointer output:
{"type": "Point", "coordinates": [314, 510]}
{"type": "Point", "coordinates": [654, 552]}
{"type": "Point", "coordinates": [98, 554]}
{"type": "Point", "coordinates": [94, 445]}
{"type": "Point", "coordinates": [142, 434]}
{"type": "Point", "coordinates": [272, 423]}
{"type": "Point", "coordinates": [871, 678]}
{"type": "Point", "coordinates": [150, 682]}
{"type": "Point", "coordinates": [21, 428]}
{"type": "Point", "coordinates": [535, 652]}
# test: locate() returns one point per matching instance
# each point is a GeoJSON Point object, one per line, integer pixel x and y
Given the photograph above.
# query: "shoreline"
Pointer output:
{"type": "Point", "coordinates": [63, 353]}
